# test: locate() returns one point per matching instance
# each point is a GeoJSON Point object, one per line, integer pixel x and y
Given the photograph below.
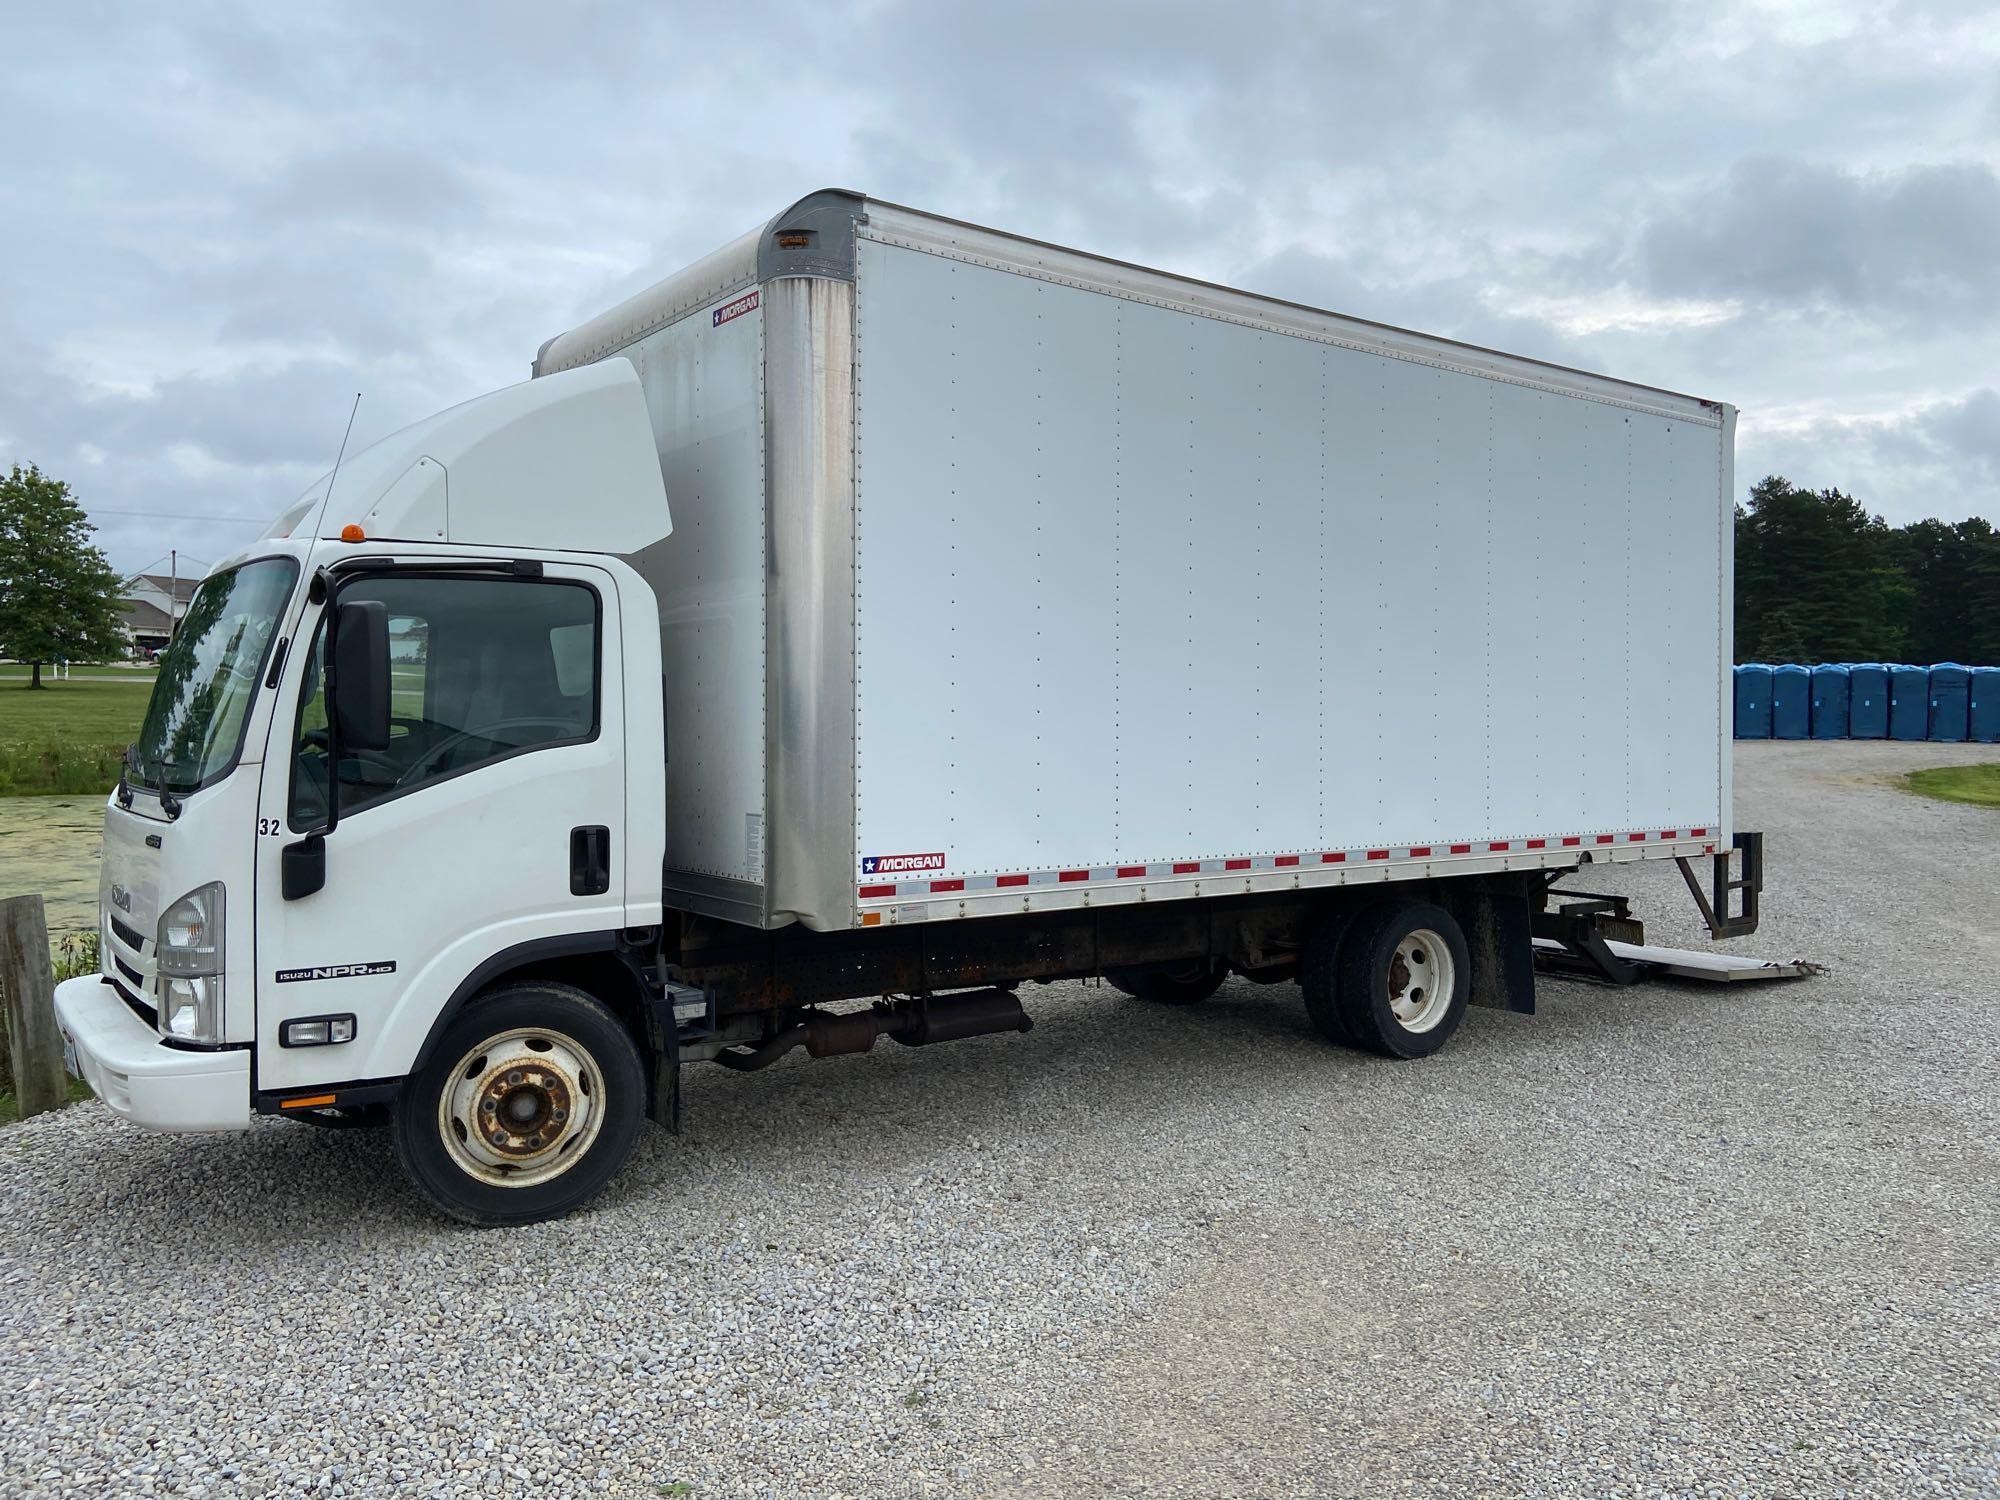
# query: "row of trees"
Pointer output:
{"type": "Point", "coordinates": [1819, 579]}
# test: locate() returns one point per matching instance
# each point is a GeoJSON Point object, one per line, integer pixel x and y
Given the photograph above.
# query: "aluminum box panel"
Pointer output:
{"type": "Point", "coordinates": [1138, 584]}
{"type": "Point", "coordinates": [704, 384]}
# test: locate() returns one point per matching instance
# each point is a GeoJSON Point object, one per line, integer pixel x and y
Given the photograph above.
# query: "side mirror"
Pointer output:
{"type": "Point", "coordinates": [361, 675]}
{"type": "Point", "coordinates": [302, 867]}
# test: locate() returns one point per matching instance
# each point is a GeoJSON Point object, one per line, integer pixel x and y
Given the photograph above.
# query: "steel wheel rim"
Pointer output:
{"type": "Point", "coordinates": [1422, 979]}
{"type": "Point", "coordinates": [522, 1107]}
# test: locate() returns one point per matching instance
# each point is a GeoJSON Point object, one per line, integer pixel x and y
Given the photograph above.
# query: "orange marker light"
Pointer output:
{"type": "Point", "coordinates": [310, 1101]}
{"type": "Point", "coordinates": [352, 533]}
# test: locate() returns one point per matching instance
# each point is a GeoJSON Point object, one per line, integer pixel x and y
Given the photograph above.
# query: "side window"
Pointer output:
{"type": "Point", "coordinates": [480, 669]}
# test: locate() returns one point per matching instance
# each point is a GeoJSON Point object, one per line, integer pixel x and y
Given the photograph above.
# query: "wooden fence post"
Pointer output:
{"type": "Point", "coordinates": [27, 981]}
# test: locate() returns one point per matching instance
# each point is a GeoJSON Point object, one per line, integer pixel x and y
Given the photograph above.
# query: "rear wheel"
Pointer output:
{"type": "Point", "coordinates": [529, 1105]}
{"type": "Point", "coordinates": [1187, 983]}
{"type": "Point", "coordinates": [1319, 974]}
{"type": "Point", "coordinates": [1404, 976]}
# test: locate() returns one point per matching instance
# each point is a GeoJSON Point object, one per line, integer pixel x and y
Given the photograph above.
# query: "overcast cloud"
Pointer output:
{"type": "Point", "coordinates": [222, 222]}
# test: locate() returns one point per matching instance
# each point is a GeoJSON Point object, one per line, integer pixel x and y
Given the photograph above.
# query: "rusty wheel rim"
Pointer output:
{"type": "Point", "coordinates": [522, 1107]}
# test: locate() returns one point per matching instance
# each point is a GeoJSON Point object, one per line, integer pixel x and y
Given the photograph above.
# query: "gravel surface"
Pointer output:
{"type": "Point", "coordinates": [1677, 1240]}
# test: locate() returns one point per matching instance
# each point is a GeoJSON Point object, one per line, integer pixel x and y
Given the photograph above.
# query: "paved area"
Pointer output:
{"type": "Point", "coordinates": [1680, 1240]}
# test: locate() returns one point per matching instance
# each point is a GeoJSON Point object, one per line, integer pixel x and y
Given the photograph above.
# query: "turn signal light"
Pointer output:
{"type": "Point", "coordinates": [316, 1031]}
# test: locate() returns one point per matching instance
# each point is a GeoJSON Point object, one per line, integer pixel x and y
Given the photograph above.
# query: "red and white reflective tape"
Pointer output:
{"type": "Point", "coordinates": [1432, 853]}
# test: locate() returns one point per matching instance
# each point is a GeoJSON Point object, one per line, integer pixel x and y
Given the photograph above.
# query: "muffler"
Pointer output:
{"type": "Point", "coordinates": [949, 1018]}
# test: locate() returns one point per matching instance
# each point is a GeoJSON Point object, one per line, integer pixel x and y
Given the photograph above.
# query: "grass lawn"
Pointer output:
{"type": "Point", "coordinates": [1979, 785]}
{"type": "Point", "coordinates": [67, 736]}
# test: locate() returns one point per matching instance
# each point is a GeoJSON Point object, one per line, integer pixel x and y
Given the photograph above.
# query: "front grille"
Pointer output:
{"type": "Point", "coordinates": [137, 1006]}
{"type": "Point", "coordinates": [138, 980]}
{"type": "Point", "coordinates": [128, 936]}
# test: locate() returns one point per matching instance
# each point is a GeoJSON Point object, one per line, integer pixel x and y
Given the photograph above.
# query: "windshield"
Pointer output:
{"type": "Point", "coordinates": [208, 676]}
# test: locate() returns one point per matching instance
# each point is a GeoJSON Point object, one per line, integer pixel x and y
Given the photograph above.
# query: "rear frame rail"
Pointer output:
{"type": "Point", "coordinates": [1582, 924]}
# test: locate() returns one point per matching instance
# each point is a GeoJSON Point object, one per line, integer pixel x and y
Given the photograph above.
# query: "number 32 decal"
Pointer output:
{"type": "Point", "coordinates": [270, 827]}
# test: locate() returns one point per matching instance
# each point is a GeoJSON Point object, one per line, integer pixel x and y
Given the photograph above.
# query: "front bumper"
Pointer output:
{"type": "Point", "coordinates": [150, 1084]}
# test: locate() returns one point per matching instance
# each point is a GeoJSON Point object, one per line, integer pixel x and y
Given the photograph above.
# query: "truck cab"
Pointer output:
{"type": "Point", "coordinates": [424, 688]}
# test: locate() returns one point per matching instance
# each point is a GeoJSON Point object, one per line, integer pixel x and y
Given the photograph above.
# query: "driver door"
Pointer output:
{"type": "Point", "coordinates": [494, 818]}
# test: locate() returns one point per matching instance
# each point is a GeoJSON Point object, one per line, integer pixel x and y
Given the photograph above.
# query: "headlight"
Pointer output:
{"type": "Point", "coordinates": [189, 958]}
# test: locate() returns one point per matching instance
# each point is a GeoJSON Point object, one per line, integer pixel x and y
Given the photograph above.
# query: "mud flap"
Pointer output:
{"type": "Point", "coordinates": [1497, 923]}
{"type": "Point", "coordinates": [667, 1093]}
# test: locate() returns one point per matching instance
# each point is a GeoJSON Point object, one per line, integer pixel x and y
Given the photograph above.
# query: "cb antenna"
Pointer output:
{"type": "Point", "coordinates": [327, 498]}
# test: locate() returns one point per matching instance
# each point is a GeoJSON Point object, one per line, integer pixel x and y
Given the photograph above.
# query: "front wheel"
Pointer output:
{"type": "Point", "coordinates": [529, 1104]}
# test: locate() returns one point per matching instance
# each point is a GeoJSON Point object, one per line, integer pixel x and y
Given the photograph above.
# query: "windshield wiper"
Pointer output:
{"type": "Point", "coordinates": [134, 761]}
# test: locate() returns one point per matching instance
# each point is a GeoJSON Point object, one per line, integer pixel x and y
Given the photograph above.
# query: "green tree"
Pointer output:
{"type": "Point", "coordinates": [1816, 577]}
{"type": "Point", "coordinates": [58, 595]}
{"type": "Point", "coordinates": [1954, 590]}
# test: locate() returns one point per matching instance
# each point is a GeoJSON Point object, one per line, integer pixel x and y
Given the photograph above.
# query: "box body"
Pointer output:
{"type": "Point", "coordinates": [1006, 577]}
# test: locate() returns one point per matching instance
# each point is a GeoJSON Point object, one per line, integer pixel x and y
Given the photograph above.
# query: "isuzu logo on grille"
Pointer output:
{"type": "Point", "coordinates": [121, 898]}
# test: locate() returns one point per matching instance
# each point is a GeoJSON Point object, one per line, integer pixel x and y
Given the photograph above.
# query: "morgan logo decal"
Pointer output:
{"type": "Point", "coordinates": [335, 971]}
{"type": "Point", "coordinates": [743, 304]}
{"type": "Point", "coordinates": [900, 864]}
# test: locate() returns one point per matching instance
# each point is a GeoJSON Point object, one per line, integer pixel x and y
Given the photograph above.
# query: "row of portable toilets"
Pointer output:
{"type": "Point", "coordinates": [1868, 701]}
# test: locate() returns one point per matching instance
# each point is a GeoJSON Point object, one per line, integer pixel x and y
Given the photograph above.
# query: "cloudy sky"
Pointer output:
{"type": "Point", "coordinates": [222, 222]}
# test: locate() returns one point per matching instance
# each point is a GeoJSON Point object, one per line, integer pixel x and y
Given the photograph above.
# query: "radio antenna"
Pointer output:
{"type": "Point", "coordinates": [327, 498]}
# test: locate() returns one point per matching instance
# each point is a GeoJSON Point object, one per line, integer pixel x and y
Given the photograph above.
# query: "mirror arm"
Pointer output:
{"type": "Point", "coordinates": [327, 685]}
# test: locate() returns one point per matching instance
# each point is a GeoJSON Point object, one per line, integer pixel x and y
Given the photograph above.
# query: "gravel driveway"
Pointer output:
{"type": "Point", "coordinates": [1677, 1240]}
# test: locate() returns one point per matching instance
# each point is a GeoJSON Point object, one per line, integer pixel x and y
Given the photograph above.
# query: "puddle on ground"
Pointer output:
{"type": "Point", "coordinates": [50, 845]}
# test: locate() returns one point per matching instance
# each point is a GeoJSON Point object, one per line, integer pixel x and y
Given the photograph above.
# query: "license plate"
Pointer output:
{"type": "Point", "coordinates": [69, 1056]}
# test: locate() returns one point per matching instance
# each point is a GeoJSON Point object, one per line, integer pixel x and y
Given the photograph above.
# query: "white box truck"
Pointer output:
{"type": "Point", "coordinates": [890, 607]}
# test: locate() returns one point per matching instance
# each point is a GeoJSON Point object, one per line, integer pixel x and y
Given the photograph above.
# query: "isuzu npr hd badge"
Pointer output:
{"type": "Point", "coordinates": [336, 971]}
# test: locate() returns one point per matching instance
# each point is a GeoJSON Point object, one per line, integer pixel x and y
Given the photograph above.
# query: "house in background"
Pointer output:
{"type": "Point", "coordinates": [152, 601]}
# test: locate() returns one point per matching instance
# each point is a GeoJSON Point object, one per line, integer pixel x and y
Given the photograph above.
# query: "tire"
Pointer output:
{"type": "Point", "coordinates": [1176, 984]}
{"type": "Point", "coordinates": [1319, 973]}
{"type": "Point", "coordinates": [1382, 997]}
{"type": "Point", "coordinates": [558, 1109]}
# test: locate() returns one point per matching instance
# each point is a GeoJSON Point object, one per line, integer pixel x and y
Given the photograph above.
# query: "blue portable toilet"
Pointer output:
{"type": "Point", "coordinates": [1983, 706]}
{"type": "Point", "coordinates": [1909, 703]}
{"type": "Point", "coordinates": [1791, 702]}
{"type": "Point", "coordinates": [1868, 701]}
{"type": "Point", "coordinates": [1951, 690]}
{"type": "Point", "coordinates": [1830, 694]}
{"type": "Point", "coordinates": [1753, 701]}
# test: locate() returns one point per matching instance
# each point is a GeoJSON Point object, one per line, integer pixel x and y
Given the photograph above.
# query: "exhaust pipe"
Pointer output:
{"type": "Point", "coordinates": [914, 1023]}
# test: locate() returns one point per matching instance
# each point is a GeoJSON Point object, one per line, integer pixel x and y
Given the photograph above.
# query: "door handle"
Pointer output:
{"type": "Point", "coordinates": [589, 860]}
